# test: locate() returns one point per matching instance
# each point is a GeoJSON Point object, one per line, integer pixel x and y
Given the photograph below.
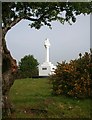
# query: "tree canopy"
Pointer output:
{"type": "Point", "coordinates": [28, 66]}
{"type": "Point", "coordinates": [42, 13]}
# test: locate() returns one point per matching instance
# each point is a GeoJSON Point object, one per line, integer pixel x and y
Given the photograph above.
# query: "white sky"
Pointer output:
{"type": "Point", "coordinates": [67, 41]}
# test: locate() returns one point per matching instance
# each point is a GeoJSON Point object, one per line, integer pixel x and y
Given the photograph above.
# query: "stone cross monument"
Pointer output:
{"type": "Point", "coordinates": [47, 68]}
{"type": "Point", "coordinates": [47, 45]}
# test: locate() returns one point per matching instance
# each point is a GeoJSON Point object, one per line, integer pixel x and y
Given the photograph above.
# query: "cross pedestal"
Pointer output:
{"type": "Point", "coordinates": [47, 68]}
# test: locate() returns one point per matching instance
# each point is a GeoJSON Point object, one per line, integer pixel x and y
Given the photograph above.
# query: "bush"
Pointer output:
{"type": "Point", "coordinates": [28, 67]}
{"type": "Point", "coordinates": [73, 78]}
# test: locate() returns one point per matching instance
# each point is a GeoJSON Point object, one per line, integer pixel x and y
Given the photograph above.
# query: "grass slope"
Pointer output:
{"type": "Point", "coordinates": [32, 99]}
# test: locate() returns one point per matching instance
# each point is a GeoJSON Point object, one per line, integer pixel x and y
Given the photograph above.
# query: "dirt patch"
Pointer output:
{"type": "Point", "coordinates": [48, 101]}
{"type": "Point", "coordinates": [39, 110]}
{"type": "Point", "coordinates": [35, 111]}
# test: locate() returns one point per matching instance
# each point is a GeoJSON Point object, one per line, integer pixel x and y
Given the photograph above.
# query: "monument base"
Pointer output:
{"type": "Point", "coordinates": [46, 69]}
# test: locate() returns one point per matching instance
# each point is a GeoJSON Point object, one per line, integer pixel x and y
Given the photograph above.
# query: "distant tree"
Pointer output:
{"type": "Point", "coordinates": [28, 66]}
{"type": "Point", "coordinates": [39, 14]}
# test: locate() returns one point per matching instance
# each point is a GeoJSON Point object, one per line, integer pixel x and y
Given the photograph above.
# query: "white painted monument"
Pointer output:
{"type": "Point", "coordinates": [47, 68]}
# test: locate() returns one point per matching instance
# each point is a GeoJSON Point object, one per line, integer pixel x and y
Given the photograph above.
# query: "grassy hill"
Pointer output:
{"type": "Point", "coordinates": [32, 98]}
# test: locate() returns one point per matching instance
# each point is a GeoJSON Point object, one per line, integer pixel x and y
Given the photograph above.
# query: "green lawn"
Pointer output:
{"type": "Point", "coordinates": [32, 98]}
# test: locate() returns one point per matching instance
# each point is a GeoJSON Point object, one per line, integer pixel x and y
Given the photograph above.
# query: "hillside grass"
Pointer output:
{"type": "Point", "coordinates": [32, 98]}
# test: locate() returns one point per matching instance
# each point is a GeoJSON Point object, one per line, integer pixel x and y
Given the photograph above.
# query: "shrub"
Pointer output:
{"type": "Point", "coordinates": [73, 78]}
{"type": "Point", "coordinates": [28, 67]}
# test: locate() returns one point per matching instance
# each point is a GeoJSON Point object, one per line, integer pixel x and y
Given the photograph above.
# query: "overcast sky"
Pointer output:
{"type": "Point", "coordinates": [67, 41]}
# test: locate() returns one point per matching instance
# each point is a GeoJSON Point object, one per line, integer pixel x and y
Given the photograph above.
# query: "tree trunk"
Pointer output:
{"type": "Point", "coordinates": [9, 68]}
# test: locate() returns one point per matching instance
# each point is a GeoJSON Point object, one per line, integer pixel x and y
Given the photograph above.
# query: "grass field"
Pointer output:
{"type": "Point", "coordinates": [32, 98]}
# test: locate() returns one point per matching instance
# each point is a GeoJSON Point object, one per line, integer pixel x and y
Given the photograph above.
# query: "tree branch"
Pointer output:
{"type": "Point", "coordinates": [9, 25]}
{"type": "Point", "coordinates": [29, 18]}
{"type": "Point", "coordinates": [18, 19]}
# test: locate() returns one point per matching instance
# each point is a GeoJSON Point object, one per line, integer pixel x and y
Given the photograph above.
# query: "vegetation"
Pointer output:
{"type": "Point", "coordinates": [73, 78]}
{"type": "Point", "coordinates": [28, 67]}
{"type": "Point", "coordinates": [43, 13]}
{"type": "Point", "coordinates": [32, 98]}
{"type": "Point", "coordinates": [39, 14]}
